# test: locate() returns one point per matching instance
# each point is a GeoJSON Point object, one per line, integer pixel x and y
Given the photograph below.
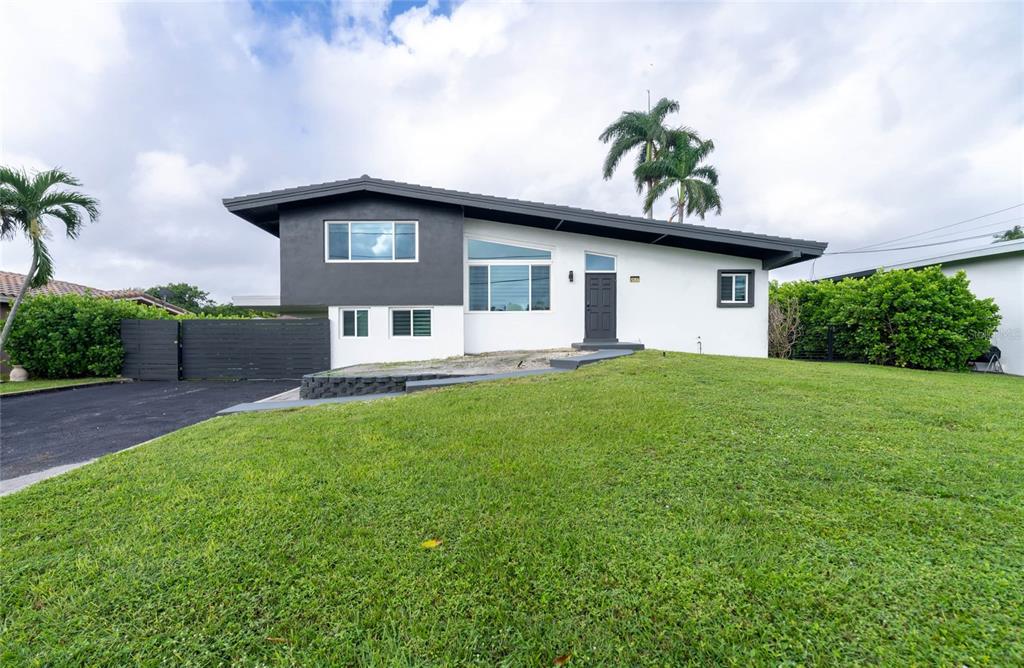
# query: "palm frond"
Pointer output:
{"type": "Point", "coordinates": [655, 193]}
{"type": "Point", "coordinates": [701, 197]}
{"type": "Point", "coordinates": [71, 200]}
{"type": "Point", "coordinates": [43, 181]}
{"type": "Point", "coordinates": [708, 173]}
{"type": "Point", "coordinates": [44, 262]}
{"type": "Point", "coordinates": [663, 108]}
{"type": "Point", "coordinates": [620, 147]}
{"type": "Point", "coordinates": [629, 123]}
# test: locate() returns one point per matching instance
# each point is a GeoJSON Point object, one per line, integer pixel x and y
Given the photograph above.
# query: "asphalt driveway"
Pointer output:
{"type": "Point", "coordinates": [40, 431]}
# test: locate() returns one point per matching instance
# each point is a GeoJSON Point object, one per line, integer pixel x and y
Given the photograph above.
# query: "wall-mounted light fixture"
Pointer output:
{"type": "Point", "coordinates": [570, 275]}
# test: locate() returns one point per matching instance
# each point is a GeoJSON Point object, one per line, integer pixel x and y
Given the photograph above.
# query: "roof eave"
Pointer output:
{"type": "Point", "coordinates": [261, 209]}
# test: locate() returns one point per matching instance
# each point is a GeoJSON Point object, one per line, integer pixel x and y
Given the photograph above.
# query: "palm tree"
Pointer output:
{"type": "Point", "coordinates": [27, 204]}
{"type": "Point", "coordinates": [680, 166]}
{"type": "Point", "coordinates": [638, 129]}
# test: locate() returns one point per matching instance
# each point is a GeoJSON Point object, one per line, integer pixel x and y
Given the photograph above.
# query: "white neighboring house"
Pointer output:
{"type": "Point", "coordinates": [408, 272]}
{"type": "Point", "coordinates": [996, 271]}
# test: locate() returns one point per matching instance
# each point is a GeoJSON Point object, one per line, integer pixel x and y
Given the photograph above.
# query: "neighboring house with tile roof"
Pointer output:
{"type": "Point", "coordinates": [11, 282]}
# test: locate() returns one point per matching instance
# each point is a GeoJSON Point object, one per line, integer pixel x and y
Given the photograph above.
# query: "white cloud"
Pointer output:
{"type": "Point", "coordinates": [844, 123]}
{"type": "Point", "coordinates": [164, 179]}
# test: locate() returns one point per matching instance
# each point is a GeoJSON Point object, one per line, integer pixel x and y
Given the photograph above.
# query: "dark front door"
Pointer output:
{"type": "Point", "coordinates": [600, 305]}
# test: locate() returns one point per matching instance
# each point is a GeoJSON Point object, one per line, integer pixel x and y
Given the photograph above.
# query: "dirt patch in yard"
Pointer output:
{"type": "Point", "coordinates": [463, 365]}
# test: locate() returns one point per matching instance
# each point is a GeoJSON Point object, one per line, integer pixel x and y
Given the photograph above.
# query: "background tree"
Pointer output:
{"type": "Point", "coordinates": [635, 130]}
{"type": "Point", "coordinates": [1012, 234]}
{"type": "Point", "coordinates": [185, 295]}
{"type": "Point", "coordinates": [28, 204]}
{"type": "Point", "coordinates": [680, 167]}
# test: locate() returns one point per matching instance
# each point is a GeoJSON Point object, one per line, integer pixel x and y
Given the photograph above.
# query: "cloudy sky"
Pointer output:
{"type": "Point", "coordinates": [845, 123]}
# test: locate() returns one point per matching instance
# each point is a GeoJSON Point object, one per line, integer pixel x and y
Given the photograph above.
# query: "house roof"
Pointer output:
{"type": "Point", "coordinates": [969, 255]}
{"type": "Point", "coordinates": [11, 282]}
{"type": "Point", "coordinates": [263, 210]}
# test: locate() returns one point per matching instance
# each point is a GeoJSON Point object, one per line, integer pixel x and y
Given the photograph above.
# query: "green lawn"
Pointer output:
{"type": "Point", "coordinates": [652, 510]}
{"type": "Point", "coordinates": [8, 387]}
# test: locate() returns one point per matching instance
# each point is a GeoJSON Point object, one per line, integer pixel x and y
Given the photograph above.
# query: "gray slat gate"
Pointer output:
{"type": "Point", "coordinates": [254, 349]}
{"type": "Point", "coordinates": [150, 349]}
{"type": "Point", "coordinates": [225, 349]}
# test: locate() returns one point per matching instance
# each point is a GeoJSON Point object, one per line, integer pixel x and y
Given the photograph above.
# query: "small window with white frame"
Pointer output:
{"type": "Point", "coordinates": [355, 323]}
{"type": "Point", "coordinates": [599, 262]}
{"type": "Point", "coordinates": [371, 241]}
{"type": "Point", "coordinates": [415, 322]}
{"type": "Point", "coordinates": [735, 287]}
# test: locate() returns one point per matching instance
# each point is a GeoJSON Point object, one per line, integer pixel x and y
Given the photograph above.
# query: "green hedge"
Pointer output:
{"type": "Point", "coordinates": [73, 336]}
{"type": "Point", "coordinates": [914, 318]}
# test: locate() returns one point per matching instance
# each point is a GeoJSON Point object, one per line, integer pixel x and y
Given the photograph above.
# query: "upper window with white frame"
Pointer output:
{"type": "Point", "coordinates": [506, 277]}
{"type": "Point", "coordinates": [371, 241]}
{"type": "Point", "coordinates": [598, 262]}
{"type": "Point", "coordinates": [736, 287]}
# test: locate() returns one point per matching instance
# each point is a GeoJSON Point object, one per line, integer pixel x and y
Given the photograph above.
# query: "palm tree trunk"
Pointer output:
{"type": "Point", "coordinates": [650, 183]}
{"type": "Point", "coordinates": [17, 302]}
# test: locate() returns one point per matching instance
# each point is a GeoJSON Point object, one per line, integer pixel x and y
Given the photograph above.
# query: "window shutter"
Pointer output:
{"type": "Point", "coordinates": [400, 323]}
{"type": "Point", "coordinates": [421, 322]}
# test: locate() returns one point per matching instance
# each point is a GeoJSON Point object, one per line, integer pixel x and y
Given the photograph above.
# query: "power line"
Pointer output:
{"type": "Point", "coordinates": [936, 229]}
{"type": "Point", "coordinates": [934, 243]}
{"type": "Point", "coordinates": [979, 227]}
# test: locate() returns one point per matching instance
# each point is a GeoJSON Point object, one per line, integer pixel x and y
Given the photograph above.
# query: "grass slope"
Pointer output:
{"type": "Point", "coordinates": [9, 388]}
{"type": "Point", "coordinates": [650, 510]}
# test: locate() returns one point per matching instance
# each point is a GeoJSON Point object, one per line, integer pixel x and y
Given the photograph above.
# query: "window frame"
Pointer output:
{"type": "Point", "coordinates": [355, 322]}
{"type": "Point", "coordinates": [748, 274]}
{"type": "Point", "coordinates": [529, 264]}
{"type": "Point", "coordinates": [411, 334]}
{"type": "Point", "coordinates": [614, 259]}
{"type": "Point", "coordinates": [394, 242]}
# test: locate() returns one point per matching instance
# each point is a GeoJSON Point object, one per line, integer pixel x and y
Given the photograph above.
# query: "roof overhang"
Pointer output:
{"type": "Point", "coordinates": [264, 210]}
{"type": "Point", "coordinates": [970, 255]}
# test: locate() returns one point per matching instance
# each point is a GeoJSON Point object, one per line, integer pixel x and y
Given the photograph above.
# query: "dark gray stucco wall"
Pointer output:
{"type": "Point", "coordinates": [436, 279]}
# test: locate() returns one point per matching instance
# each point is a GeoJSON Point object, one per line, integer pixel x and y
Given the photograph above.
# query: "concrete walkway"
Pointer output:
{"type": "Point", "coordinates": [557, 366]}
{"type": "Point", "coordinates": [264, 405]}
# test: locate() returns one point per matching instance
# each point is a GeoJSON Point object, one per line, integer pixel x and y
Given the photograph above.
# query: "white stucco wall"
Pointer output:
{"type": "Point", "coordinates": [1000, 277]}
{"type": "Point", "coordinates": [673, 304]}
{"type": "Point", "coordinates": [445, 340]}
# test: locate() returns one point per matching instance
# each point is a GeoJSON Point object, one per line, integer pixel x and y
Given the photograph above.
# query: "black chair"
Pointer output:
{"type": "Point", "coordinates": [990, 361]}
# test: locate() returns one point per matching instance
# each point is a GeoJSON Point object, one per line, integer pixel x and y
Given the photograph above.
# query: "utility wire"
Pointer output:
{"type": "Point", "coordinates": [973, 228]}
{"type": "Point", "coordinates": [936, 229]}
{"type": "Point", "coordinates": [934, 243]}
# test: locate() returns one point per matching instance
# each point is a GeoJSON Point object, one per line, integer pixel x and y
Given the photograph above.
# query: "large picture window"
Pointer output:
{"type": "Point", "coordinates": [505, 277]}
{"type": "Point", "coordinates": [371, 241]}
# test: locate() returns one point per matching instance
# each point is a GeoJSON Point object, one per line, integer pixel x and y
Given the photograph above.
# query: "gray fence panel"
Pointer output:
{"type": "Point", "coordinates": [254, 349]}
{"type": "Point", "coordinates": [150, 349]}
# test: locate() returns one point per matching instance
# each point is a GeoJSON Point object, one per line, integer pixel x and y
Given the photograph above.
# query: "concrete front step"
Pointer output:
{"type": "Point", "coordinates": [607, 345]}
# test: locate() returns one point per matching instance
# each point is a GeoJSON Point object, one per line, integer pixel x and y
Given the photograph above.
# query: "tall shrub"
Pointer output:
{"type": "Point", "coordinates": [914, 318]}
{"type": "Point", "coordinates": [71, 336]}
